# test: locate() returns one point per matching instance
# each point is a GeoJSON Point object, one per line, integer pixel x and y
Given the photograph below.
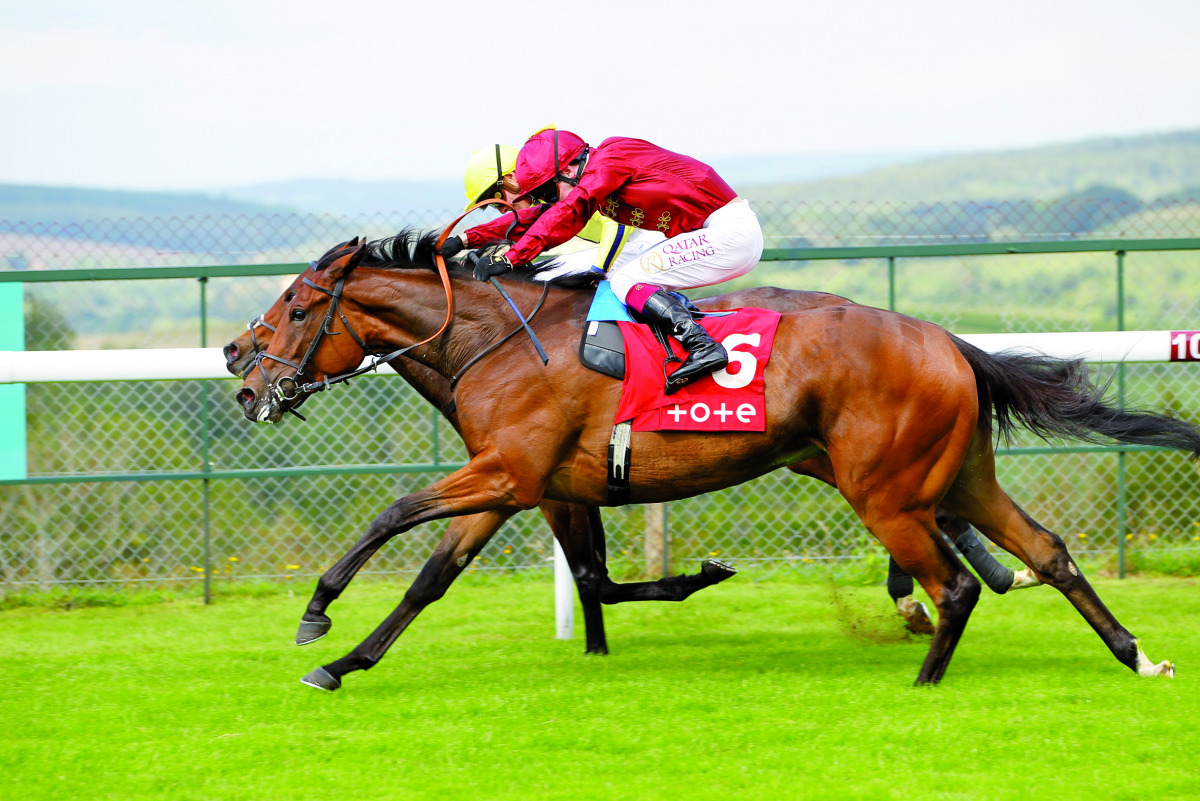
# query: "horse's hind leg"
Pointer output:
{"type": "Point", "coordinates": [899, 583]}
{"type": "Point", "coordinates": [913, 541]}
{"type": "Point", "coordinates": [900, 588]}
{"type": "Point", "coordinates": [981, 500]}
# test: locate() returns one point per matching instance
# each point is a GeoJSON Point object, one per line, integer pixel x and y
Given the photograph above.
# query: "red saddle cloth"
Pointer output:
{"type": "Point", "coordinates": [728, 400]}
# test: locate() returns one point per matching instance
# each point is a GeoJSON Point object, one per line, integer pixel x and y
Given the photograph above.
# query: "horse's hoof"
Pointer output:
{"type": "Point", "coordinates": [1165, 669]}
{"type": "Point", "coordinates": [1147, 668]}
{"type": "Point", "coordinates": [1024, 578]}
{"type": "Point", "coordinates": [915, 614]}
{"type": "Point", "coordinates": [322, 679]}
{"type": "Point", "coordinates": [717, 571]}
{"type": "Point", "coordinates": [312, 630]}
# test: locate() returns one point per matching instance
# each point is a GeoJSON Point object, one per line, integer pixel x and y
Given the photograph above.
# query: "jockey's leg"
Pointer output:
{"type": "Point", "coordinates": [728, 245]}
{"type": "Point", "coordinates": [705, 354]}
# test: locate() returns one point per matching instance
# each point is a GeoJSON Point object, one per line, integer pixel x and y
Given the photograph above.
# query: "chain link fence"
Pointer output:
{"type": "Point", "coordinates": [99, 506]}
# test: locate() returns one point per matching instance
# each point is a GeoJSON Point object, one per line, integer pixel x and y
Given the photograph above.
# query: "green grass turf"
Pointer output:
{"type": "Point", "coordinates": [748, 690]}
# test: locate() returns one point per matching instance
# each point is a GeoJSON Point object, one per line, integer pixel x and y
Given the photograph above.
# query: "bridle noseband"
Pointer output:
{"type": "Point", "coordinates": [255, 323]}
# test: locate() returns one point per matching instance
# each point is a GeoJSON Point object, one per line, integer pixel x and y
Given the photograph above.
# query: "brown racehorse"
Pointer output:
{"type": "Point", "coordinates": [903, 411]}
{"type": "Point", "coordinates": [578, 529]}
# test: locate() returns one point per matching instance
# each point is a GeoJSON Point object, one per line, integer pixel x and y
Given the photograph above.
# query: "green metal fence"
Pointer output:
{"type": "Point", "coordinates": [165, 484]}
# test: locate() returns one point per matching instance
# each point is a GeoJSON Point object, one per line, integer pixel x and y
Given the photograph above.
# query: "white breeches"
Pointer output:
{"type": "Point", "coordinates": [636, 242]}
{"type": "Point", "coordinates": [728, 245]}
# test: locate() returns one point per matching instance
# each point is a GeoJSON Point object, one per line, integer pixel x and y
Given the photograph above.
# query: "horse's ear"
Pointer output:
{"type": "Point", "coordinates": [357, 256]}
{"type": "Point", "coordinates": [353, 242]}
{"type": "Point", "coordinates": [342, 267]}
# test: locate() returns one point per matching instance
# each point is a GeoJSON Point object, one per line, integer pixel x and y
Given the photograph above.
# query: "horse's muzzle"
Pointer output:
{"type": "Point", "coordinates": [246, 399]}
{"type": "Point", "coordinates": [231, 356]}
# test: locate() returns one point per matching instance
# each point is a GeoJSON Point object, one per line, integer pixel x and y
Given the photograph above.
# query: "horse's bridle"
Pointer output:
{"type": "Point", "coordinates": [255, 323]}
{"type": "Point", "coordinates": [295, 389]}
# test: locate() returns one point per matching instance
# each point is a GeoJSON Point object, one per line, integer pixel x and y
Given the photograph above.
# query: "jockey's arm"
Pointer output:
{"type": "Point", "coordinates": [567, 217]}
{"type": "Point", "coordinates": [497, 230]}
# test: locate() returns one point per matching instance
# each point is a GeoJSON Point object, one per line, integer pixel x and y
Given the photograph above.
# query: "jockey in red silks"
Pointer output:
{"type": "Point", "coordinates": [712, 234]}
{"type": "Point", "coordinates": [601, 244]}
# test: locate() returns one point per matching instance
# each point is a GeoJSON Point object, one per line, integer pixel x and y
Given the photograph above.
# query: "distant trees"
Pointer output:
{"type": "Point", "coordinates": [46, 328]}
{"type": "Point", "coordinates": [1092, 209]}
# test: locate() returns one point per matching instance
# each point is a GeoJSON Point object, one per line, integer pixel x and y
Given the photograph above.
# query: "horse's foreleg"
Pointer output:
{"type": "Point", "coordinates": [462, 543]}
{"type": "Point", "coordinates": [578, 529]}
{"type": "Point", "coordinates": [481, 485]}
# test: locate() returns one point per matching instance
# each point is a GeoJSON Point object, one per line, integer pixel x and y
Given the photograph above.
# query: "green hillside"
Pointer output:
{"type": "Point", "coordinates": [55, 204]}
{"type": "Point", "coordinates": [1149, 167]}
{"type": "Point", "coordinates": [165, 221]}
{"type": "Point", "coordinates": [1133, 187]}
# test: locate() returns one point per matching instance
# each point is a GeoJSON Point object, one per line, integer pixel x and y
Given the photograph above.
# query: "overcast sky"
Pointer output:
{"type": "Point", "coordinates": [229, 92]}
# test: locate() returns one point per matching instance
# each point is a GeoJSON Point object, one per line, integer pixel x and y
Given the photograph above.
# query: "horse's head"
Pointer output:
{"type": "Point", "coordinates": [304, 345]}
{"type": "Point", "coordinates": [241, 352]}
{"type": "Point", "coordinates": [394, 304]}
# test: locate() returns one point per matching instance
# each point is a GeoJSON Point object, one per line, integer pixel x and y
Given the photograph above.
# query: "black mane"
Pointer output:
{"type": "Point", "coordinates": [413, 248]}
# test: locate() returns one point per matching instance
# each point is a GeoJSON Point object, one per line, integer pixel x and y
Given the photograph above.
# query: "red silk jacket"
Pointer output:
{"type": "Point", "coordinates": [635, 183]}
{"type": "Point", "coordinates": [495, 230]}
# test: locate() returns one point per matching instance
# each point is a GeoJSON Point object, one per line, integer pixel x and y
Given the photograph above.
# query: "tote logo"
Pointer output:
{"type": "Point", "coordinates": [729, 400]}
{"type": "Point", "coordinates": [700, 412]}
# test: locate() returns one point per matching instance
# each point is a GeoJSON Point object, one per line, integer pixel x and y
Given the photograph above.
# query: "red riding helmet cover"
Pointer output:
{"type": "Point", "coordinates": [535, 162]}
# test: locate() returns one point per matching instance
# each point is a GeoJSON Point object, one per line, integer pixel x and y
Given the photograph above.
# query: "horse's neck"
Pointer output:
{"type": "Point", "coordinates": [481, 318]}
{"type": "Point", "coordinates": [428, 383]}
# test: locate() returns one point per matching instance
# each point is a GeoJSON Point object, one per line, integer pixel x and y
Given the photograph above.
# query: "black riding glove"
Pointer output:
{"type": "Point", "coordinates": [487, 266]}
{"type": "Point", "coordinates": [452, 247]}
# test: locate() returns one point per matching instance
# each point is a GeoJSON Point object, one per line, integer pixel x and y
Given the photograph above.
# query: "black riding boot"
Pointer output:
{"type": "Point", "coordinates": [705, 354]}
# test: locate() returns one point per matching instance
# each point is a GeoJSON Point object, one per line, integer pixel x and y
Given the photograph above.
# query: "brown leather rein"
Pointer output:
{"type": "Point", "coordinates": [441, 262]}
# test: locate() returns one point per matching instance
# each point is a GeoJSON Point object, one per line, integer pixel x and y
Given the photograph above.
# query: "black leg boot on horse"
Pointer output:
{"type": "Point", "coordinates": [705, 354]}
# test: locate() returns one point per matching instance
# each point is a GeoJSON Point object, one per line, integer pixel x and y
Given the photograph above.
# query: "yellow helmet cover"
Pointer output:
{"type": "Point", "coordinates": [481, 177]}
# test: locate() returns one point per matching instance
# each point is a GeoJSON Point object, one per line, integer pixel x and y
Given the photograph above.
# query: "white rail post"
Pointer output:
{"type": "Point", "coordinates": [564, 597]}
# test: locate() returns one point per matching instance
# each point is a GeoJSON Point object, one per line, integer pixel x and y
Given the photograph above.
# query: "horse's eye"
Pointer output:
{"type": "Point", "coordinates": [287, 297]}
{"type": "Point", "coordinates": [297, 314]}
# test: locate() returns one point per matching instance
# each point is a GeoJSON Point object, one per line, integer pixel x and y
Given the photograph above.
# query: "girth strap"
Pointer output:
{"type": "Point", "coordinates": [619, 453]}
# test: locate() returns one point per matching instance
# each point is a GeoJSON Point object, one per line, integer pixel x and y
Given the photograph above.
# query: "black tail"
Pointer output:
{"type": "Point", "coordinates": [1054, 398]}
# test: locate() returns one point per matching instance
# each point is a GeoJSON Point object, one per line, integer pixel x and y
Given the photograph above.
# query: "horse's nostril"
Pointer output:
{"type": "Point", "coordinates": [231, 353]}
{"type": "Point", "coordinates": [246, 397]}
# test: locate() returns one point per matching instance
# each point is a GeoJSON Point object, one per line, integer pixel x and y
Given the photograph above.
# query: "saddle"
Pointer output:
{"type": "Point", "coordinates": [602, 346]}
